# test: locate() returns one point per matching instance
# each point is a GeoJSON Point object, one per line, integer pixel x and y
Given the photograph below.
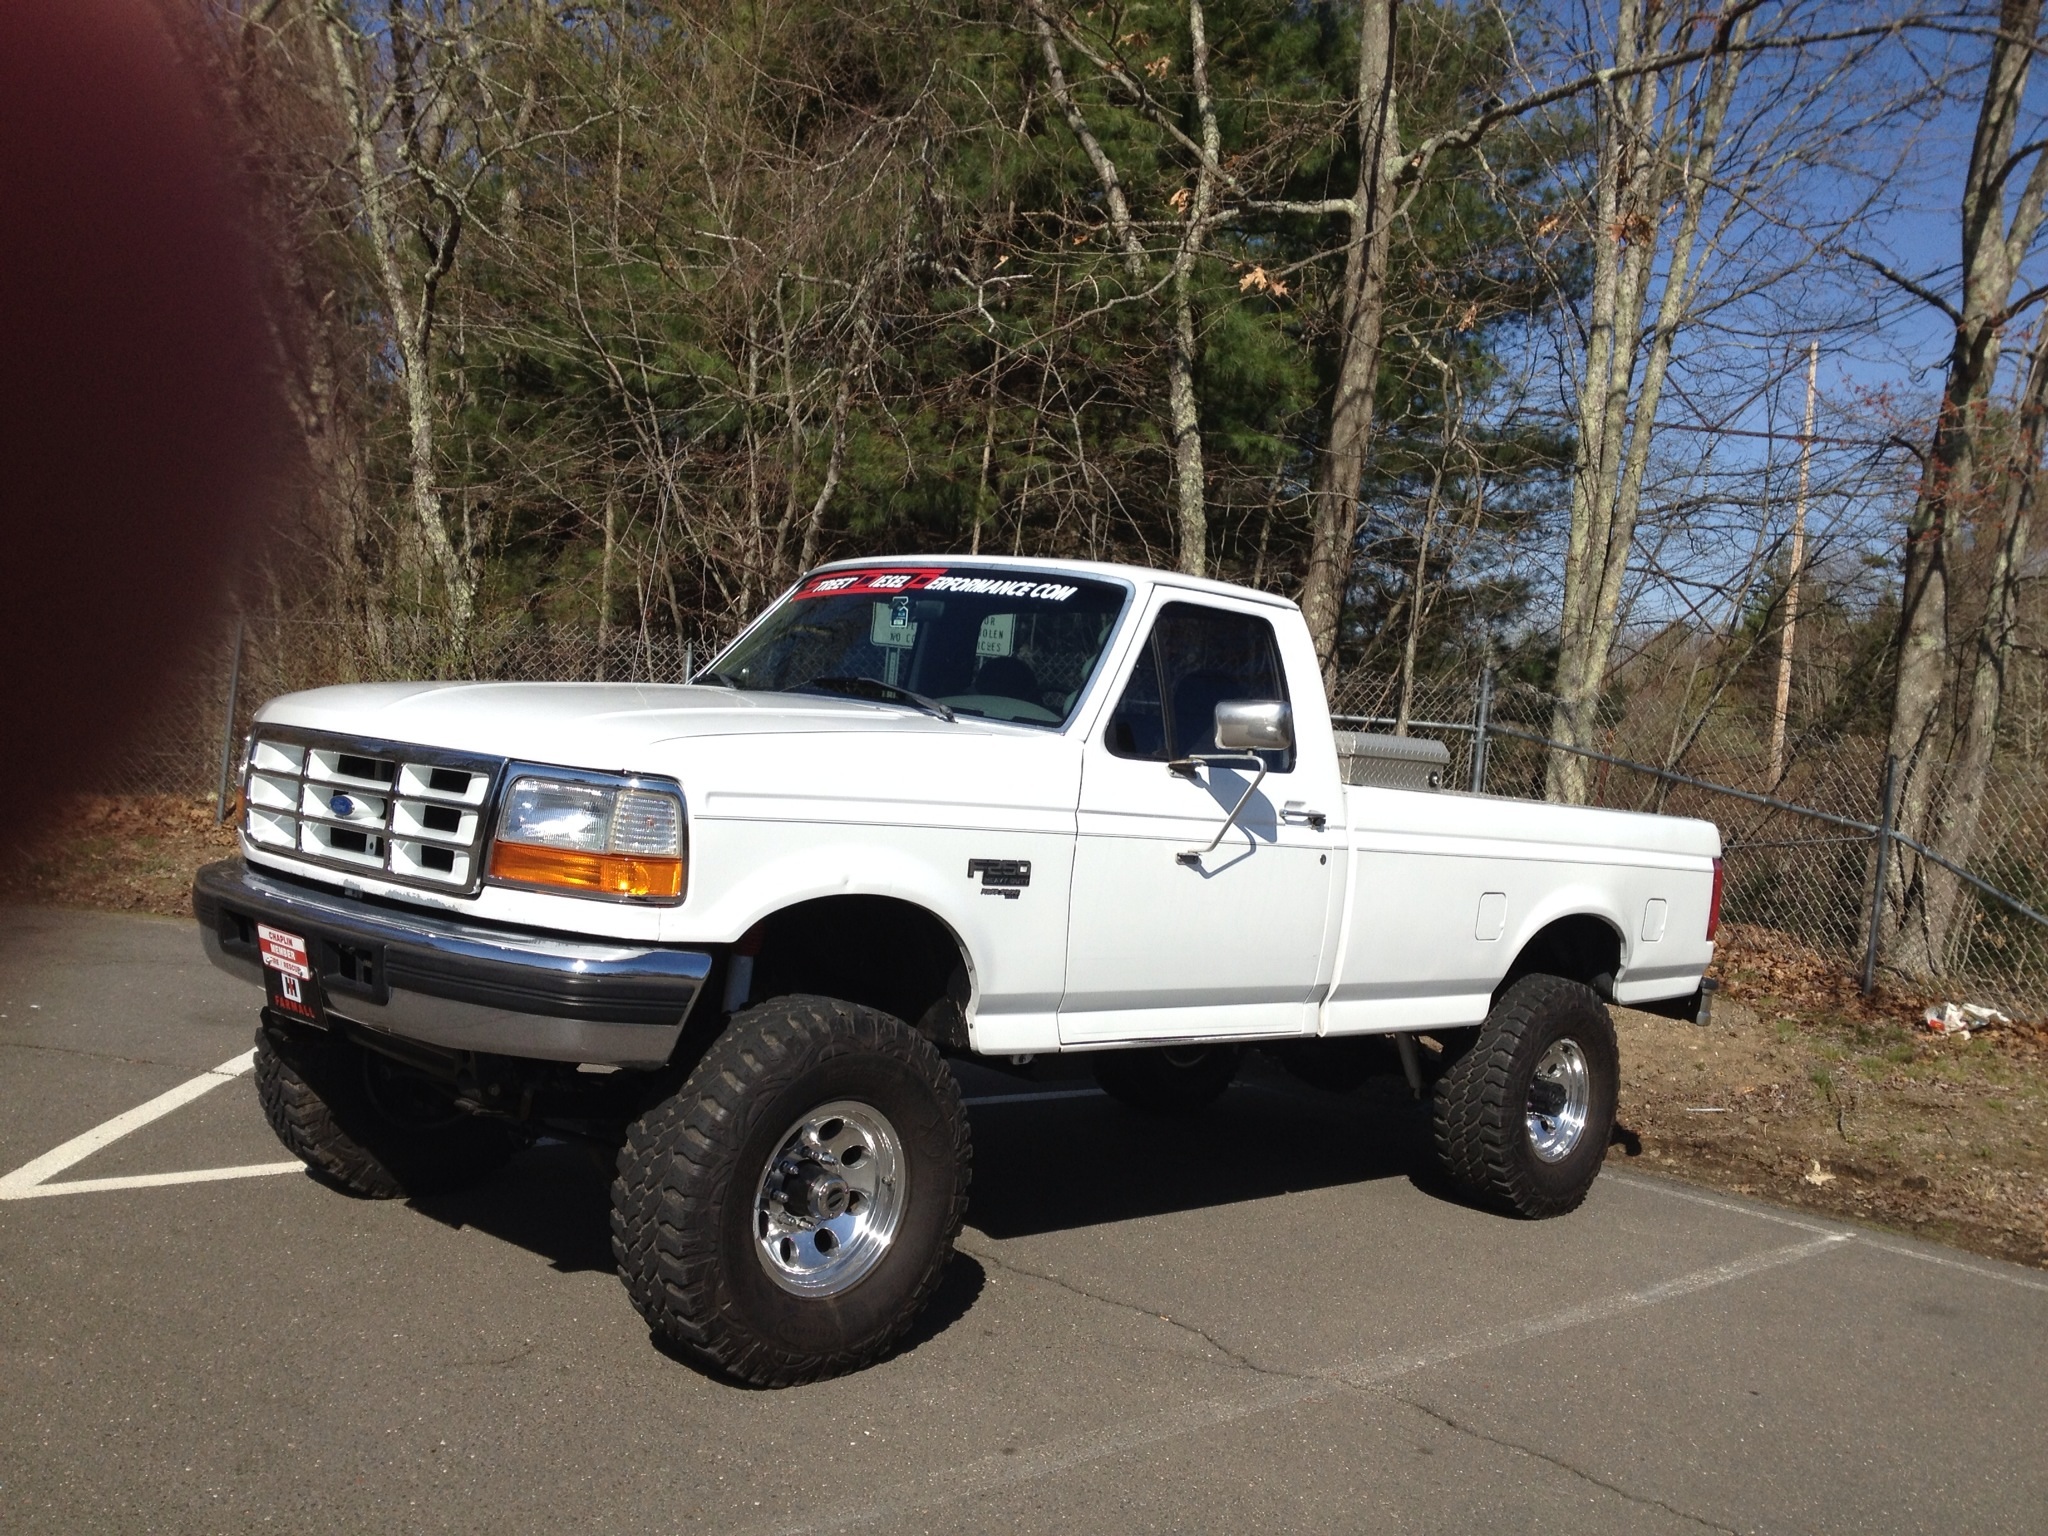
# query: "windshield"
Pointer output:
{"type": "Point", "coordinates": [1015, 645]}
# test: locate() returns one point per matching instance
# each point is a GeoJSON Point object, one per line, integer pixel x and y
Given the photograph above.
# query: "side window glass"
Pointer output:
{"type": "Point", "coordinates": [1194, 659]}
{"type": "Point", "coordinates": [1138, 727]}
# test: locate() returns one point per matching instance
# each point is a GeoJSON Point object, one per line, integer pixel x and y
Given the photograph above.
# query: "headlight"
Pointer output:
{"type": "Point", "coordinates": [594, 838]}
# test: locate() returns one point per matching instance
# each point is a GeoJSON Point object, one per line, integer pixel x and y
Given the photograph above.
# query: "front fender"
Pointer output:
{"type": "Point", "coordinates": [1015, 944]}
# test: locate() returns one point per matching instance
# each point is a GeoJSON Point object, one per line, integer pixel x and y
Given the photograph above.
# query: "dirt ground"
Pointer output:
{"type": "Point", "coordinates": [126, 853]}
{"type": "Point", "coordinates": [1798, 1090]}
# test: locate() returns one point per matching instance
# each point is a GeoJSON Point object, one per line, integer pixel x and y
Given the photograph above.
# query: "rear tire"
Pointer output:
{"type": "Point", "coordinates": [1167, 1080]}
{"type": "Point", "coordinates": [789, 1211]}
{"type": "Point", "coordinates": [1523, 1117]}
{"type": "Point", "coordinates": [369, 1126]}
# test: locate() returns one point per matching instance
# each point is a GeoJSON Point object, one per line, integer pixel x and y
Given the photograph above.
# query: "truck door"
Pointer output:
{"type": "Point", "coordinates": [1162, 946]}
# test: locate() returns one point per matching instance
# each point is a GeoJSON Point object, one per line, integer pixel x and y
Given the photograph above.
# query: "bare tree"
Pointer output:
{"type": "Point", "coordinates": [412, 297]}
{"type": "Point", "coordinates": [2001, 215]}
{"type": "Point", "coordinates": [1340, 464]}
{"type": "Point", "coordinates": [1194, 207]}
{"type": "Point", "coordinates": [1989, 663]}
{"type": "Point", "coordinates": [1656, 157]}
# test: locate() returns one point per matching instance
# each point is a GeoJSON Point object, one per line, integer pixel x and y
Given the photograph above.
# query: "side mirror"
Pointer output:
{"type": "Point", "coordinates": [1254, 725]}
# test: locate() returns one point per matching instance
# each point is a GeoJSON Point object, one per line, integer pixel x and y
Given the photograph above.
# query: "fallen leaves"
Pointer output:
{"type": "Point", "coordinates": [119, 853]}
{"type": "Point", "coordinates": [1854, 1112]}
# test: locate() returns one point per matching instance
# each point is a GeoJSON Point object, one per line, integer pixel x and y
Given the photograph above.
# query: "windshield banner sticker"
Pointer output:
{"type": "Point", "coordinates": [889, 582]}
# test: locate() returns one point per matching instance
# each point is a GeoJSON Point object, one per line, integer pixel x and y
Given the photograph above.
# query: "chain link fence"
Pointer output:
{"type": "Point", "coordinates": [187, 744]}
{"type": "Point", "coordinates": [1801, 845]}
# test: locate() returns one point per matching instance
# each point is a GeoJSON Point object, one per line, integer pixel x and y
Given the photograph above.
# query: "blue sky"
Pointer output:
{"type": "Point", "coordinates": [1900, 173]}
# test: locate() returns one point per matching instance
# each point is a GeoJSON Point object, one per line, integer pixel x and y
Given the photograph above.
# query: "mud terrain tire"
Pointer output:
{"type": "Point", "coordinates": [703, 1214]}
{"type": "Point", "coordinates": [1504, 1111]}
{"type": "Point", "coordinates": [369, 1126]}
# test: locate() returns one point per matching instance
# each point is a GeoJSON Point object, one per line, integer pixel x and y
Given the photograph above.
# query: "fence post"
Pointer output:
{"type": "Point", "coordinates": [1884, 854]}
{"type": "Point", "coordinates": [227, 730]}
{"type": "Point", "coordinates": [1482, 713]}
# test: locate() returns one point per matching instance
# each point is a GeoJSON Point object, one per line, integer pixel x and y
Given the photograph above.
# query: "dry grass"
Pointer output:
{"type": "Point", "coordinates": [1803, 1092]}
{"type": "Point", "coordinates": [127, 853]}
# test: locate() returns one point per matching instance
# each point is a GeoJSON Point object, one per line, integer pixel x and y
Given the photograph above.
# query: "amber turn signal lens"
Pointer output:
{"type": "Point", "coordinates": [602, 874]}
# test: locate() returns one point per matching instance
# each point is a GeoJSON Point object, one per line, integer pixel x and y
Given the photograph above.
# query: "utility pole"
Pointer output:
{"type": "Point", "coordinates": [1788, 636]}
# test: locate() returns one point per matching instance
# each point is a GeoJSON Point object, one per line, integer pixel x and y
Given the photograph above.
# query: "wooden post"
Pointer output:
{"type": "Point", "coordinates": [1788, 636]}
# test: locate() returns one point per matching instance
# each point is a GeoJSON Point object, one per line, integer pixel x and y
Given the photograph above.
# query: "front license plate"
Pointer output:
{"type": "Point", "coordinates": [288, 979]}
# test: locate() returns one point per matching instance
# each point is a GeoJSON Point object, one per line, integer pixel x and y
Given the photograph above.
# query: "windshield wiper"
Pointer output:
{"type": "Point", "coordinates": [880, 692]}
{"type": "Point", "coordinates": [717, 680]}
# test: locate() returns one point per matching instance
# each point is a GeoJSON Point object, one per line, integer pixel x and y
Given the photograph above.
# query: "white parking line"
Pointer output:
{"type": "Point", "coordinates": [31, 1181]}
{"type": "Point", "coordinates": [1367, 1373]}
{"type": "Point", "coordinates": [37, 1180]}
{"type": "Point", "coordinates": [2005, 1275]}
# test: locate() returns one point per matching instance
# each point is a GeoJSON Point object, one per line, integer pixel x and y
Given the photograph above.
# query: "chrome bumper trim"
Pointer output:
{"type": "Point", "coordinates": [461, 986]}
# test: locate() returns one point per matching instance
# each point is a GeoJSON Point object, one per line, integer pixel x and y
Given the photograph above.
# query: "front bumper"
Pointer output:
{"type": "Point", "coordinates": [460, 986]}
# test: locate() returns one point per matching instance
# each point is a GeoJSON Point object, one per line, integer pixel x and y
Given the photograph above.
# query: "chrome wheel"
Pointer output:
{"type": "Point", "coordinates": [1559, 1097]}
{"type": "Point", "coordinates": [830, 1199]}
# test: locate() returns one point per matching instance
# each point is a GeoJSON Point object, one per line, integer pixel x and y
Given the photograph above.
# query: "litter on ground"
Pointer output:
{"type": "Point", "coordinates": [1959, 1019]}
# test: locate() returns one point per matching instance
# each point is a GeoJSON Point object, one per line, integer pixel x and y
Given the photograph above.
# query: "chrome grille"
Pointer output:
{"type": "Point", "coordinates": [402, 813]}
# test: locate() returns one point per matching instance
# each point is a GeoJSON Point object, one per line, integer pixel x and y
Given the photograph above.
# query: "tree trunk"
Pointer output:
{"type": "Point", "coordinates": [1992, 248]}
{"type": "Point", "coordinates": [604, 573]}
{"type": "Point", "coordinates": [1454, 406]}
{"type": "Point", "coordinates": [786, 523]}
{"type": "Point", "coordinates": [1189, 476]}
{"type": "Point", "coordinates": [835, 464]}
{"type": "Point", "coordinates": [1340, 464]}
{"type": "Point", "coordinates": [1191, 520]}
{"type": "Point", "coordinates": [412, 325]}
{"type": "Point", "coordinates": [1617, 413]}
{"type": "Point", "coordinates": [1962, 809]}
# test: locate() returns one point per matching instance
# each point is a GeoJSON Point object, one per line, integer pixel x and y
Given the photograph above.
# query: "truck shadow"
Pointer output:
{"type": "Point", "coordinates": [553, 1199]}
{"type": "Point", "coordinates": [1044, 1167]}
{"type": "Point", "coordinates": [1039, 1166]}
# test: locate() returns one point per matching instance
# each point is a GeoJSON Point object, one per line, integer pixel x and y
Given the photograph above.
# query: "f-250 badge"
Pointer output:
{"type": "Point", "coordinates": [1001, 877]}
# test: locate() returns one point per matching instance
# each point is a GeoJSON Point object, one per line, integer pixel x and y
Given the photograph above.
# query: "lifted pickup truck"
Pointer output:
{"type": "Point", "coordinates": [920, 809]}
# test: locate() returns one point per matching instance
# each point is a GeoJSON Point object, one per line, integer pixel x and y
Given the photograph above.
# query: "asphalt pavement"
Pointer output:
{"type": "Point", "coordinates": [1269, 1318]}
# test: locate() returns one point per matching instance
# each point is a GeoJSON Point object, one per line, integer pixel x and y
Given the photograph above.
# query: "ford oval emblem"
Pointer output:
{"type": "Point", "coordinates": [342, 805]}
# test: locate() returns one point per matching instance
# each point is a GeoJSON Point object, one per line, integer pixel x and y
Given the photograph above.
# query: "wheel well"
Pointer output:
{"type": "Point", "coordinates": [874, 950]}
{"type": "Point", "coordinates": [1579, 948]}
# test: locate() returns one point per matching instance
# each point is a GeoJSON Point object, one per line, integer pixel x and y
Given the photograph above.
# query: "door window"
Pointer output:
{"type": "Point", "coordinates": [1194, 659]}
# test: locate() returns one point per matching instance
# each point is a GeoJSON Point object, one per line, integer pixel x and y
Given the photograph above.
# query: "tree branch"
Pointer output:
{"type": "Point", "coordinates": [1924, 294]}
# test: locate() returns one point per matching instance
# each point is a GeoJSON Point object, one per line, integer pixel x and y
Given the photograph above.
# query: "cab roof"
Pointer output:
{"type": "Point", "coordinates": [1137, 575]}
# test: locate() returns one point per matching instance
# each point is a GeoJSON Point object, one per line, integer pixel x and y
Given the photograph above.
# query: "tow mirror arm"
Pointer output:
{"type": "Point", "coordinates": [1244, 727]}
{"type": "Point", "coordinates": [1187, 766]}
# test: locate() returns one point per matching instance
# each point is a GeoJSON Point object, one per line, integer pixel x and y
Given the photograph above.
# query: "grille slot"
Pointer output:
{"type": "Point", "coordinates": [405, 813]}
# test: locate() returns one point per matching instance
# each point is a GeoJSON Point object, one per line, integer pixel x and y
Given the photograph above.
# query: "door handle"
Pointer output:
{"type": "Point", "coordinates": [1295, 810]}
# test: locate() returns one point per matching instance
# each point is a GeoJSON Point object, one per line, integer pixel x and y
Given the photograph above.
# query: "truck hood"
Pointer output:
{"type": "Point", "coordinates": [592, 725]}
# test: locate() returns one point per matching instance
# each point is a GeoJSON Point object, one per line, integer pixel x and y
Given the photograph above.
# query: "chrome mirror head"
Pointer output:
{"type": "Point", "coordinates": [1254, 725]}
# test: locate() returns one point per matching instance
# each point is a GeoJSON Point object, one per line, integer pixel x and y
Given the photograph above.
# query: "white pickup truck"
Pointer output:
{"type": "Point", "coordinates": [920, 809]}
